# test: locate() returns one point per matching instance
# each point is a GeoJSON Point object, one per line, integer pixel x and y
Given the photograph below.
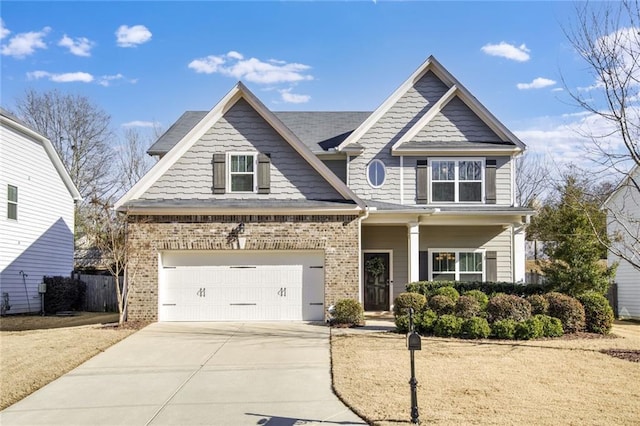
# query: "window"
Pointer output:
{"type": "Point", "coordinates": [376, 173]}
{"type": "Point", "coordinates": [242, 172]}
{"type": "Point", "coordinates": [12, 202]}
{"type": "Point", "coordinates": [457, 265]}
{"type": "Point", "coordinates": [456, 181]}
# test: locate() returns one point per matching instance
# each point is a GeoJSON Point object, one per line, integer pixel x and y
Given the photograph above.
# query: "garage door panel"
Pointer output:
{"type": "Point", "coordinates": [254, 288]}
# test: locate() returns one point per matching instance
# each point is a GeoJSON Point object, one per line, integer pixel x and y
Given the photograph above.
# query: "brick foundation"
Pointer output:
{"type": "Point", "coordinates": [337, 236]}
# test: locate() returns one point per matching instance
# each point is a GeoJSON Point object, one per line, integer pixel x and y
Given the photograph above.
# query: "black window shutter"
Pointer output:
{"type": "Point", "coordinates": [422, 174]}
{"type": "Point", "coordinates": [424, 266]}
{"type": "Point", "coordinates": [492, 266]}
{"type": "Point", "coordinates": [490, 180]}
{"type": "Point", "coordinates": [219, 173]}
{"type": "Point", "coordinates": [264, 174]}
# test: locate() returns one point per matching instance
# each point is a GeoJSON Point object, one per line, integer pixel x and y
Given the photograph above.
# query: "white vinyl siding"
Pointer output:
{"type": "Point", "coordinates": [40, 242]}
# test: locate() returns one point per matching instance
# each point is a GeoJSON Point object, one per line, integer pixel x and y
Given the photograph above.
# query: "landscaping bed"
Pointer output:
{"type": "Point", "coordinates": [546, 381]}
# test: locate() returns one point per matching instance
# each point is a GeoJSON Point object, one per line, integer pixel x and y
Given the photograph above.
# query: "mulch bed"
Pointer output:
{"type": "Point", "coordinates": [626, 354]}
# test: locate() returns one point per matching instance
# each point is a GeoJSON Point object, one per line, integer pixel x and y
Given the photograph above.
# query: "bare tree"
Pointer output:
{"type": "Point", "coordinates": [132, 160]}
{"type": "Point", "coordinates": [531, 179]}
{"type": "Point", "coordinates": [81, 133]}
{"type": "Point", "coordinates": [607, 37]}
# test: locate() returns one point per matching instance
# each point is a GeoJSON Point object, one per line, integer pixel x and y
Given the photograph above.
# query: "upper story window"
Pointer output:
{"type": "Point", "coordinates": [242, 172]}
{"type": "Point", "coordinates": [456, 265]}
{"type": "Point", "coordinates": [376, 173]}
{"type": "Point", "coordinates": [12, 202]}
{"type": "Point", "coordinates": [456, 180]}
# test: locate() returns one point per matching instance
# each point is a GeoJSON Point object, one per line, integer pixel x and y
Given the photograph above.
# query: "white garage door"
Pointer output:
{"type": "Point", "coordinates": [241, 286]}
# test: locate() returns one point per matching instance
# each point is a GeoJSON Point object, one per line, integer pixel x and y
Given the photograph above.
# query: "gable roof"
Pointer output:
{"type": "Point", "coordinates": [9, 120]}
{"type": "Point", "coordinates": [634, 172]}
{"type": "Point", "coordinates": [239, 91]}
{"type": "Point", "coordinates": [456, 89]}
{"type": "Point", "coordinates": [319, 130]}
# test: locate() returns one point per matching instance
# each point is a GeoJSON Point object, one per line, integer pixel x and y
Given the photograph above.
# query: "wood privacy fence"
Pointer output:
{"type": "Point", "coordinates": [101, 293]}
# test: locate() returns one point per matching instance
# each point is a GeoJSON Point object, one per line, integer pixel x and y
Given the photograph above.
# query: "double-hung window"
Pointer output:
{"type": "Point", "coordinates": [456, 180]}
{"type": "Point", "coordinates": [456, 265]}
{"type": "Point", "coordinates": [242, 172]}
{"type": "Point", "coordinates": [12, 202]}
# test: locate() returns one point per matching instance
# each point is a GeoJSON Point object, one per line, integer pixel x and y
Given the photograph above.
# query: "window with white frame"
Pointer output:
{"type": "Point", "coordinates": [376, 173]}
{"type": "Point", "coordinates": [242, 172]}
{"type": "Point", "coordinates": [12, 202]}
{"type": "Point", "coordinates": [456, 180]}
{"type": "Point", "coordinates": [456, 265]}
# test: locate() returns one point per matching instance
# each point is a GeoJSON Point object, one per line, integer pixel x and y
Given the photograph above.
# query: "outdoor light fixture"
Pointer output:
{"type": "Point", "coordinates": [235, 238]}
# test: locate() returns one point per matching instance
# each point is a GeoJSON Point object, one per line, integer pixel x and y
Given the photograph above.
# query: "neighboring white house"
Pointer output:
{"type": "Point", "coordinates": [36, 215]}
{"type": "Point", "coordinates": [623, 221]}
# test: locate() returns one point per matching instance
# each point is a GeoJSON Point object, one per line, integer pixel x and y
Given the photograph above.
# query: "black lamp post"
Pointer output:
{"type": "Point", "coordinates": [413, 344]}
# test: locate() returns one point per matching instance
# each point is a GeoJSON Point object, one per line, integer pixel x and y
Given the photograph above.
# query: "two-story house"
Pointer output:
{"type": "Point", "coordinates": [251, 214]}
{"type": "Point", "coordinates": [36, 215]}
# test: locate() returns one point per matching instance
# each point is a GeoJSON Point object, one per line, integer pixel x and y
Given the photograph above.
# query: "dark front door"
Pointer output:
{"type": "Point", "coordinates": [376, 281]}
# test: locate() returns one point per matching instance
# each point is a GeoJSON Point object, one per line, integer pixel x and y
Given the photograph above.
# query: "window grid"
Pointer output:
{"type": "Point", "coordinates": [457, 265]}
{"type": "Point", "coordinates": [376, 173]}
{"type": "Point", "coordinates": [456, 181]}
{"type": "Point", "coordinates": [242, 172]}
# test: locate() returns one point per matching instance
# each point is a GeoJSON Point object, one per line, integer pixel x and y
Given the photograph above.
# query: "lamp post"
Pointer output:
{"type": "Point", "coordinates": [413, 344]}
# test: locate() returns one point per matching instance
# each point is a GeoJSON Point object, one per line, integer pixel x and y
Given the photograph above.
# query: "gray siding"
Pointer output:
{"type": "Point", "coordinates": [338, 167]}
{"type": "Point", "coordinates": [390, 238]}
{"type": "Point", "coordinates": [490, 238]}
{"type": "Point", "coordinates": [241, 129]}
{"type": "Point", "coordinates": [456, 122]}
{"type": "Point", "coordinates": [386, 132]}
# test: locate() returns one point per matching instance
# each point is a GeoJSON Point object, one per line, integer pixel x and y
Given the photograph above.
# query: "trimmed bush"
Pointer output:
{"type": "Point", "coordinates": [598, 313]}
{"type": "Point", "coordinates": [475, 328]}
{"type": "Point", "coordinates": [425, 321]}
{"type": "Point", "coordinates": [504, 329]}
{"type": "Point", "coordinates": [448, 291]}
{"type": "Point", "coordinates": [348, 312]}
{"type": "Point", "coordinates": [442, 305]}
{"type": "Point", "coordinates": [533, 328]}
{"type": "Point", "coordinates": [428, 288]}
{"type": "Point", "coordinates": [482, 298]}
{"type": "Point", "coordinates": [508, 306]}
{"type": "Point", "coordinates": [402, 323]}
{"type": "Point", "coordinates": [539, 304]}
{"type": "Point", "coordinates": [63, 294]}
{"type": "Point", "coordinates": [467, 307]}
{"type": "Point", "coordinates": [448, 326]}
{"type": "Point", "coordinates": [568, 310]}
{"type": "Point", "coordinates": [552, 327]}
{"type": "Point", "coordinates": [404, 301]}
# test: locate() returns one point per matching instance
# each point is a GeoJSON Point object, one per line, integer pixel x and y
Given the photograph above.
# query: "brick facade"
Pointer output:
{"type": "Point", "coordinates": [337, 236]}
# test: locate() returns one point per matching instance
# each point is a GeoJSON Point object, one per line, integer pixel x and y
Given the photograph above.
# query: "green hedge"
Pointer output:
{"type": "Point", "coordinates": [429, 288]}
{"type": "Point", "coordinates": [63, 294]}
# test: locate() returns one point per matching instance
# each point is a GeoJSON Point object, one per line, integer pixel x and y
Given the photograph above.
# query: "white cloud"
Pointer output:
{"type": "Point", "coordinates": [132, 36]}
{"type": "Point", "coordinates": [537, 83]}
{"type": "Point", "coordinates": [509, 51]}
{"type": "Point", "coordinates": [253, 70]}
{"type": "Point", "coordinates": [70, 77]}
{"type": "Point", "coordinates": [106, 80]}
{"type": "Point", "coordinates": [294, 98]}
{"type": "Point", "coordinates": [4, 31]}
{"type": "Point", "coordinates": [139, 123]}
{"type": "Point", "coordinates": [81, 46]}
{"type": "Point", "coordinates": [24, 44]}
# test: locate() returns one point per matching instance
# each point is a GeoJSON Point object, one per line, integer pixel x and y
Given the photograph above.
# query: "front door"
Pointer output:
{"type": "Point", "coordinates": [376, 281]}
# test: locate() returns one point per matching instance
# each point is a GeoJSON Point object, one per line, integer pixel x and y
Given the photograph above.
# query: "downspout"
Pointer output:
{"type": "Point", "coordinates": [360, 283]}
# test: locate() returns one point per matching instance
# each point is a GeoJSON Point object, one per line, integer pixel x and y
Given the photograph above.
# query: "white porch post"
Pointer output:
{"type": "Point", "coordinates": [414, 253]}
{"type": "Point", "coordinates": [519, 254]}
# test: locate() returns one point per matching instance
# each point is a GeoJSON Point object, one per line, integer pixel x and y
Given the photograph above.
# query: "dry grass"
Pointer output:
{"type": "Point", "coordinates": [37, 322]}
{"type": "Point", "coordinates": [543, 382]}
{"type": "Point", "coordinates": [31, 359]}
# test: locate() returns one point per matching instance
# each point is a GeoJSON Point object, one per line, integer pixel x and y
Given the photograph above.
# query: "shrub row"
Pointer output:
{"type": "Point", "coordinates": [512, 316]}
{"type": "Point", "coordinates": [429, 288]}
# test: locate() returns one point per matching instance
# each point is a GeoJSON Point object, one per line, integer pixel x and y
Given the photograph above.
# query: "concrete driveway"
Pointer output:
{"type": "Point", "coordinates": [275, 374]}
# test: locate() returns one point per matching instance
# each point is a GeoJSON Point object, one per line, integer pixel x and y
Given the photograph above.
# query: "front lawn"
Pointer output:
{"type": "Point", "coordinates": [543, 382]}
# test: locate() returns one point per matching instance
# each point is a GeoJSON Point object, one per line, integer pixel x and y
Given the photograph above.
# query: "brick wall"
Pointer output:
{"type": "Point", "coordinates": [337, 236]}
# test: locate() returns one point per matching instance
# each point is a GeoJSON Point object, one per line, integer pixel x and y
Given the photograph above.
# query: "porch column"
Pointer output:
{"type": "Point", "coordinates": [413, 251]}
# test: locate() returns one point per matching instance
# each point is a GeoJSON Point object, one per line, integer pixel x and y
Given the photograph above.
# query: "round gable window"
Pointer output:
{"type": "Point", "coordinates": [376, 173]}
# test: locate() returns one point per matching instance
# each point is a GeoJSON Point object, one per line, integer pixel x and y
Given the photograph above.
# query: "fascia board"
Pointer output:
{"type": "Point", "coordinates": [181, 147]}
{"type": "Point", "coordinates": [51, 153]}
{"type": "Point", "coordinates": [427, 117]}
{"type": "Point", "coordinates": [622, 184]}
{"type": "Point", "coordinates": [152, 211]}
{"type": "Point", "coordinates": [387, 104]}
{"type": "Point", "coordinates": [300, 147]}
{"type": "Point", "coordinates": [454, 151]}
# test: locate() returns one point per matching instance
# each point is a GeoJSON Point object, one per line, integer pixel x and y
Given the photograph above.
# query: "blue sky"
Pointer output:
{"type": "Point", "coordinates": [147, 62]}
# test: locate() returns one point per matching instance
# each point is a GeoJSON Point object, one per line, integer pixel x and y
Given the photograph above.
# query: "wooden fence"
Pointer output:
{"type": "Point", "coordinates": [101, 293]}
